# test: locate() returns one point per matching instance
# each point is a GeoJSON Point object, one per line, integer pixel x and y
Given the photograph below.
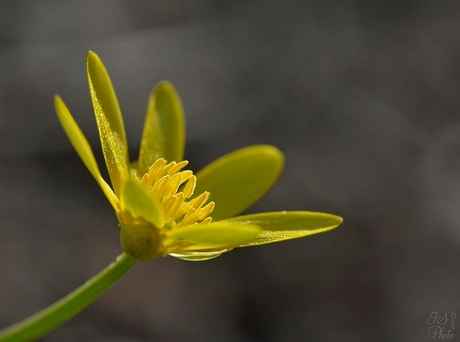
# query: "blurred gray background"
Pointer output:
{"type": "Point", "coordinates": [361, 96]}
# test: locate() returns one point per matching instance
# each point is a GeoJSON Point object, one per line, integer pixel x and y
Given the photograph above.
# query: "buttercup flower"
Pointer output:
{"type": "Point", "coordinates": [165, 210]}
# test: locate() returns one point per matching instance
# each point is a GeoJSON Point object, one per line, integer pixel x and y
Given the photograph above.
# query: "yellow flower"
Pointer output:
{"type": "Point", "coordinates": [165, 210]}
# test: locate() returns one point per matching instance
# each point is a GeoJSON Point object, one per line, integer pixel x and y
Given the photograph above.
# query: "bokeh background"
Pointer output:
{"type": "Point", "coordinates": [361, 96]}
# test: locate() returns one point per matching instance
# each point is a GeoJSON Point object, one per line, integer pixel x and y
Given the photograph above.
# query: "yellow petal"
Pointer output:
{"type": "Point", "coordinates": [83, 148]}
{"type": "Point", "coordinates": [237, 180]}
{"type": "Point", "coordinates": [286, 225]}
{"type": "Point", "coordinates": [213, 236]}
{"type": "Point", "coordinates": [109, 121]}
{"type": "Point", "coordinates": [141, 204]}
{"type": "Point", "coordinates": [164, 129]}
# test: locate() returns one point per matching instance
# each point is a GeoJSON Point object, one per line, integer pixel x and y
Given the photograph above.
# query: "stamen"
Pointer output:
{"type": "Point", "coordinates": [174, 205]}
{"type": "Point", "coordinates": [189, 187]}
{"type": "Point", "coordinates": [207, 220]}
{"type": "Point", "coordinates": [185, 175]}
{"type": "Point", "coordinates": [179, 166]}
{"type": "Point", "coordinates": [156, 167]}
{"type": "Point", "coordinates": [172, 187]}
{"type": "Point", "coordinates": [169, 166]}
{"type": "Point", "coordinates": [200, 200]}
{"type": "Point", "coordinates": [197, 215]}
{"type": "Point", "coordinates": [193, 205]}
{"type": "Point", "coordinates": [158, 186]}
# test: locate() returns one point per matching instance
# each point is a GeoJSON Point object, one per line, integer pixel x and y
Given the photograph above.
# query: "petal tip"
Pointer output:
{"type": "Point", "coordinates": [93, 62]}
{"type": "Point", "coordinates": [273, 152]}
{"type": "Point", "coordinates": [339, 220]}
{"type": "Point", "coordinates": [91, 55]}
{"type": "Point", "coordinates": [57, 101]}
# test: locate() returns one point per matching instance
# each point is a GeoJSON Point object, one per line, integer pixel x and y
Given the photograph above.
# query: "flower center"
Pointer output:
{"type": "Point", "coordinates": [173, 188]}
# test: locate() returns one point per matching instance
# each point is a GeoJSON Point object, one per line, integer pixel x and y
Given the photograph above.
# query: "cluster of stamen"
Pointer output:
{"type": "Point", "coordinates": [172, 187]}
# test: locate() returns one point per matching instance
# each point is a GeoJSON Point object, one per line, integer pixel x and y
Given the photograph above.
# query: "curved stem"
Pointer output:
{"type": "Point", "coordinates": [56, 314]}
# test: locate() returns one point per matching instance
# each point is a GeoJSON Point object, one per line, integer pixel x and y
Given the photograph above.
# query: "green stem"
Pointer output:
{"type": "Point", "coordinates": [56, 314]}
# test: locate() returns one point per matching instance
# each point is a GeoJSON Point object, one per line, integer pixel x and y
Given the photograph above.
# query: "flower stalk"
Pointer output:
{"type": "Point", "coordinates": [61, 311]}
